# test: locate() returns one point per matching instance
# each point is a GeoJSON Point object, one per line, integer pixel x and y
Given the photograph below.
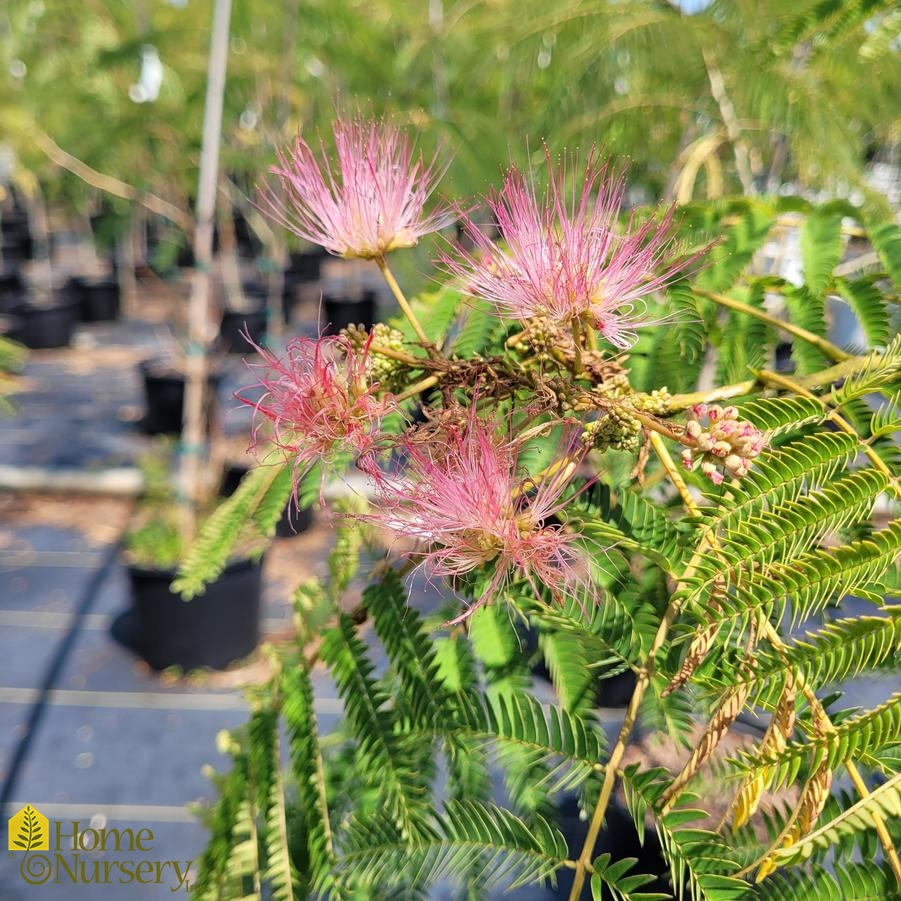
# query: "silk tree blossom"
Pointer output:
{"type": "Point", "coordinates": [467, 504]}
{"type": "Point", "coordinates": [565, 260]}
{"type": "Point", "coordinates": [319, 400]}
{"type": "Point", "coordinates": [368, 201]}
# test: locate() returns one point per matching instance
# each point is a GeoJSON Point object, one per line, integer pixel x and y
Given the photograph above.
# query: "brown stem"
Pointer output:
{"type": "Point", "coordinates": [108, 183]}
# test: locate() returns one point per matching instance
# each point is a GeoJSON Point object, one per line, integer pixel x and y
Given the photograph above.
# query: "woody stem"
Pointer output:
{"type": "Point", "coordinates": [584, 863]}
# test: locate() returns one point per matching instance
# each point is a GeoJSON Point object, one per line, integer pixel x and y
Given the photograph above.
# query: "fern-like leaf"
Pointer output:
{"type": "Point", "coordinates": [858, 882]}
{"type": "Point", "coordinates": [306, 757]}
{"type": "Point", "coordinates": [369, 711]}
{"type": "Point", "coordinates": [224, 530]}
{"type": "Point", "coordinates": [508, 850]}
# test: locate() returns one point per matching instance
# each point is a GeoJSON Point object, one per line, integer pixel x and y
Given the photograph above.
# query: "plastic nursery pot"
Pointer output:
{"type": "Point", "coordinates": [17, 243]}
{"type": "Point", "coordinates": [235, 324]}
{"type": "Point", "coordinates": [305, 266]}
{"type": "Point", "coordinates": [47, 326]}
{"type": "Point", "coordinates": [11, 327]}
{"type": "Point", "coordinates": [339, 312]}
{"type": "Point", "coordinates": [164, 392]}
{"type": "Point", "coordinates": [99, 300]}
{"type": "Point", "coordinates": [212, 630]}
{"type": "Point", "coordinates": [293, 522]}
{"type": "Point", "coordinates": [12, 289]}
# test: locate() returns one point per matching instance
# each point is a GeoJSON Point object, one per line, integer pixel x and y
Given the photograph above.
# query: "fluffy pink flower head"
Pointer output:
{"type": "Point", "coordinates": [367, 202]}
{"type": "Point", "coordinates": [467, 504]}
{"type": "Point", "coordinates": [320, 401]}
{"type": "Point", "coordinates": [564, 259]}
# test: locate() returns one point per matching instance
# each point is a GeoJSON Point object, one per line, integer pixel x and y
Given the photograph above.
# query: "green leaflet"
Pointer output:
{"type": "Point", "coordinates": [572, 746]}
{"type": "Point", "coordinates": [306, 756]}
{"type": "Point", "coordinates": [373, 719]}
{"type": "Point", "coordinates": [837, 651]}
{"type": "Point", "coordinates": [702, 865]}
{"type": "Point", "coordinates": [869, 731]}
{"type": "Point", "coordinates": [863, 881]}
{"type": "Point", "coordinates": [866, 299]}
{"type": "Point", "coordinates": [263, 491]}
{"type": "Point", "coordinates": [505, 847]}
{"type": "Point", "coordinates": [821, 248]}
{"type": "Point", "coordinates": [886, 238]}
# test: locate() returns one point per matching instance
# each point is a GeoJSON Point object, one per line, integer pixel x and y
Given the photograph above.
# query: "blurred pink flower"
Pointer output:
{"type": "Point", "coordinates": [564, 259]}
{"type": "Point", "coordinates": [320, 401]}
{"type": "Point", "coordinates": [467, 503]}
{"type": "Point", "coordinates": [372, 203]}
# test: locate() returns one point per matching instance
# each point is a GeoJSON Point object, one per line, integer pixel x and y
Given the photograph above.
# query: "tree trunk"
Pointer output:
{"type": "Point", "coordinates": [194, 426]}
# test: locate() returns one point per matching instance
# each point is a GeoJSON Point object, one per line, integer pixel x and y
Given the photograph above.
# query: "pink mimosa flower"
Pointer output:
{"type": "Point", "coordinates": [566, 260]}
{"type": "Point", "coordinates": [467, 503]}
{"type": "Point", "coordinates": [320, 401]}
{"type": "Point", "coordinates": [368, 202]}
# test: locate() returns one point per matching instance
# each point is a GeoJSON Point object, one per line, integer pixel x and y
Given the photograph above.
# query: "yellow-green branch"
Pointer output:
{"type": "Point", "coordinates": [826, 347]}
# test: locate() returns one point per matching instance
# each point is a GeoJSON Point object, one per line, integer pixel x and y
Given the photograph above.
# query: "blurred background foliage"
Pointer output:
{"type": "Point", "coordinates": [703, 99]}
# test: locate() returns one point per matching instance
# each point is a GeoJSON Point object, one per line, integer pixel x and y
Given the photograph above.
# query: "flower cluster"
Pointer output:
{"type": "Point", "coordinates": [467, 503]}
{"type": "Point", "coordinates": [726, 441]}
{"type": "Point", "coordinates": [320, 401]}
{"type": "Point", "coordinates": [566, 268]}
{"type": "Point", "coordinates": [566, 260]}
{"type": "Point", "coordinates": [383, 369]}
{"type": "Point", "coordinates": [373, 203]}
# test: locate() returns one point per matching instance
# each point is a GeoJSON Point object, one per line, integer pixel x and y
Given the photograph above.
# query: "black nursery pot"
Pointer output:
{"type": "Point", "coordinates": [11, 327]}
{"type": "Point", "coordinates": [234, 325]}
{"type": "Point", "coordinates": [99, 300]}
{"type": "Point", "coordinates": [212, 630]}
{"type": "Point", "coordinates": [305, 267]}
{"type": "Point", "coordinates": [164, 391]}
{"type": "Point", "coordinates": [12, 289]}
{"type": "Point", "coordinates": [49, 326]}
{"type": "Point", "coordinates": [293, 521]}
{"type": "Point", "coordinates": [339, 312]}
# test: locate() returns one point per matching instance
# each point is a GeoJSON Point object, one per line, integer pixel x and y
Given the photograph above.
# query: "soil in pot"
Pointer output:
{"type": "Point", "coordinates": [237, 324]}
{"type": "Point", "coordinates": [212, 630]}
{"type": "Point", "coordinates": [47, 325]}
{"type": "Point", "coordinates": [338, 312]}
{"type": "Point", "coordinates": [164, 391]}
{"type": "Point", "coordinates": [99, 300]}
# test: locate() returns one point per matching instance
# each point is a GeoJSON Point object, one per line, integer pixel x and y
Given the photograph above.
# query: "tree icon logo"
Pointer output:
{"type": "Point", "coordinates": [29, 830]}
